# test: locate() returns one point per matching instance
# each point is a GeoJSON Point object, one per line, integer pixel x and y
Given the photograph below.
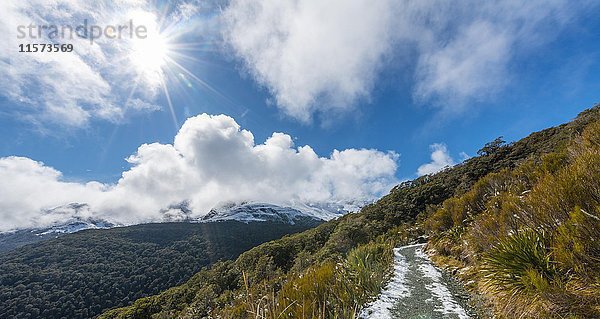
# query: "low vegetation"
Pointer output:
{"type": "Point", "coordinates": [530, 236]}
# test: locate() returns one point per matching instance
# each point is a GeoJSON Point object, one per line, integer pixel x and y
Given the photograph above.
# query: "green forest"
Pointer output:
{"type": "Point", "coordinates": [520, 223]}
{"type": "Point", "coordinates": [82, 274]}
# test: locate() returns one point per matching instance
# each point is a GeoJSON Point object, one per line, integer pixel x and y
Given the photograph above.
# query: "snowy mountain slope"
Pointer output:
{"type": "Point", "coordinates": [75, 217]}
{"type": "Point", "coordinates": [74, 225]}
{"type": "Point", "coordinates": [259, 212]}
{"type": "Point", "coordinates": [18, 238]}
{"type": "Point", "coordinates": [70, 218]}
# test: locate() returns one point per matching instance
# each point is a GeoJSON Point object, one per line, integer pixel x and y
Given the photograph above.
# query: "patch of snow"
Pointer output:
{"type": "Point", "coordinates": [255, 212]}
{"type": "Point", "coordinates": [395, 290]}
{"type": "Point", "coordinates": [438, 289]}
{"type": "Point", "coordinates": [403, 288]}
{"type": "Point", "coordinates": [411, 246]}
{"type": "Point", "coordinates": [290, 213]}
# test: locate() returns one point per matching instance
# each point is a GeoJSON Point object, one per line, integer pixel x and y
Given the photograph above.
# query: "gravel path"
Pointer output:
{"type": "Point", "coordinates": [418, 290]}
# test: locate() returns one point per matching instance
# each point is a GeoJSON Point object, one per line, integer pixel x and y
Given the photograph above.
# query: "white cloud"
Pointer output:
{"type": "Point", "coordinates": [440, 159]}
{"type": "Point", "coordinates": [71, 88]}
{"type": "Point", "coordinates": [323, 56]}
{"type": "Point", "coordinates": [314, 56]}
{"type": "Point", "coordinates": [472, 65]}
{"type": "Point", "coordinates": [466, 48]}
{"type": "Point", "coordinates": [212, 160]}
{"type": "Point", "coordinates": [141, 105]}
{"type": "Point", "coordinates": [26, 186]}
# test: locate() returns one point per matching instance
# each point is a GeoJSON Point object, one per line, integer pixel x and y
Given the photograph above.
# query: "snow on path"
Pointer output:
{"type": "Point", "coordinates": [438, 289]}
{"type": "Point", "coordinates": [417, 290]}
{"type": "Point", "coordinates": [394, 290]}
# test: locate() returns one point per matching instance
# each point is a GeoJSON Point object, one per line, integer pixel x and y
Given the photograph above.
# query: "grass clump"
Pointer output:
{"type": "Point", "coordinates": [519, 264]}
{"type": "Point", "coordinates": [329, 290]}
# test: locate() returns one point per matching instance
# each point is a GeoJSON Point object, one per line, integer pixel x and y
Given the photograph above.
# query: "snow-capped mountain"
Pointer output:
{"type": "Point", "coordinates": [256, 212]}
{"type": "Point", "coordinates": [71, 218]}
{"type": "Point", "coordinates": [58, 221]}
{"type": "Point", "coordinates": [326, 211]}
{"type": "Point", "coordinates": [259, 212]}
{"type": "Point", "coordinates": [75, 217]}
{"type": "Point", "coordinates": [14, 239]}
{"type": "Point", "coordinates": [74, 225]}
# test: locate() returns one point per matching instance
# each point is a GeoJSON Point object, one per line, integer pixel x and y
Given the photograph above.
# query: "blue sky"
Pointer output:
{"type": "Point", "coordinates": [395, 76]}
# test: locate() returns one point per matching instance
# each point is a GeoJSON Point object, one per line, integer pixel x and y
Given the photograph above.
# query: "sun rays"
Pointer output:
{"type": "Point", "coordinates": [158, 58]}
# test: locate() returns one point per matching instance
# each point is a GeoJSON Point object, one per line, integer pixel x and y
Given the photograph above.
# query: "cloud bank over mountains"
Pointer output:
{"type": "Point", "coordinates": [314, 57]}
{"type": "Point", "coordinates": [212, 160]}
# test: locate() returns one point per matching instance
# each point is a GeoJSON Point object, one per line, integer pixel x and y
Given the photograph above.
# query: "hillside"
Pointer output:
{"type": "Point", "coordinates": [79, 275]}
{"type": "Point", "coordinates": [333, 270]}
{"type": "Point", "coordinates": [527, 239]}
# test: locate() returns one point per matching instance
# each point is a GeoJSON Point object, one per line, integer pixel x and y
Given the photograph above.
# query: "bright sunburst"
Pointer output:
{"type": "Point", "coordinates": [149, 55]}
{"type": "Point", "coordinates": [156, 60]}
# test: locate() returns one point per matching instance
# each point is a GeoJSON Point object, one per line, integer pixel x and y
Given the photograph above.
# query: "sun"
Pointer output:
{"type": "Point", "coordinates": [149, 55]}
{"type": "Point", "coordinates": [160, 59]}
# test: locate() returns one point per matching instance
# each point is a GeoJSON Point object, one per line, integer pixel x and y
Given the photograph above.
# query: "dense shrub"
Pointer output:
{"type": "Point", "coordinates": [535, 244]}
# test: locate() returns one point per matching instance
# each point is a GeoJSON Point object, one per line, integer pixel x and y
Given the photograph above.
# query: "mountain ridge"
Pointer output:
{"type": "Point", "coordinates": [75, 220]}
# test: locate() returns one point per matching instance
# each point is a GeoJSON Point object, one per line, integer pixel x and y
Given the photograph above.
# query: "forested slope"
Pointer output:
{"type": "Point", "coordinates": [79, 275]}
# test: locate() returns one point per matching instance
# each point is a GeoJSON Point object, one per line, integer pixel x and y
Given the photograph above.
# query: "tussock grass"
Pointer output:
{"type": "Point", "coordinates": [329, 290]}
{"type": "Point", "coordinates": [519, 264]}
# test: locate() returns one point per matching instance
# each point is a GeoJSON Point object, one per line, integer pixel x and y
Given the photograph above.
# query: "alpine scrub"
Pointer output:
{"type": "Point", "coordinates": [531, 239]}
